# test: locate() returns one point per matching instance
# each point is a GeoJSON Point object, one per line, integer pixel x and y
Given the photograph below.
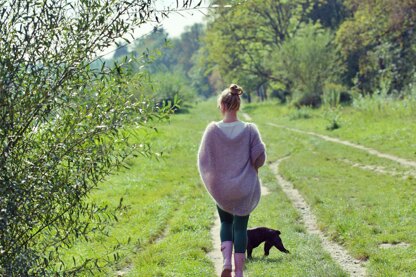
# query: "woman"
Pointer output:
{"type": "Point", "coordinates": [229, 156]}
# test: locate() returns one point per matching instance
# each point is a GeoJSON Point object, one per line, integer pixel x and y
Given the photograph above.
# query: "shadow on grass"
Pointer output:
{"type": "Point", "coordinates": [265, 259]}
{"type": "Point", "coordinates": [248, 108]}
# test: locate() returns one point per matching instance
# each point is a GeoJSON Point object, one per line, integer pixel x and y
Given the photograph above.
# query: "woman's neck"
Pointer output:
{"type": "Point", "coordinates": [230, 117]}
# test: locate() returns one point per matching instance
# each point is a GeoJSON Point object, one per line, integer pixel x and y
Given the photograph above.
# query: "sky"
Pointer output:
{"type": "Point", "coordinates": [174, 24]}
{"type": "Point", "coordinates": [177, 21]}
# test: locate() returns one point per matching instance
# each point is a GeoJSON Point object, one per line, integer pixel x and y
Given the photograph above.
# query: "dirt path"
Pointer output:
{"type": "Point", "coordinates": [381, 169]}
{"type": "Point", "coordinates": [352, 266]}
{"type": "Point", "coordinates": [215, 255]}
{"type": "Point", "coordinates": [372, 151]}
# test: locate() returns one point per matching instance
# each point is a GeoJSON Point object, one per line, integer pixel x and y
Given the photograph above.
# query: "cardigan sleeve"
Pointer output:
{"type": "Point", "coordinates": [257, 148]}
{"type": "Point", "coordinates": [204, 157]}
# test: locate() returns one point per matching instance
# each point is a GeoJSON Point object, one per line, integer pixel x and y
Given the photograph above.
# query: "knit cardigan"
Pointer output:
{"type": "Point", "coordinates": [228, 168]}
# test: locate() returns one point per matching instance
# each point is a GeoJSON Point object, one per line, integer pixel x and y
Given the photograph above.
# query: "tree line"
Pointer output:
{"type": "Point", "coordinates": [300, 51]}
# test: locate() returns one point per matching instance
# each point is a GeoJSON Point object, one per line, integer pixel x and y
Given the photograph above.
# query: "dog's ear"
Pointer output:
{"type": "Point", "coordinates": [277, 232]}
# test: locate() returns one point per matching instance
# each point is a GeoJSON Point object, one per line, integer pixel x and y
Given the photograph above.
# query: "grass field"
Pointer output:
{"type": "Point", "coordinates": [360, 208]}
{"type": "Point", "coordinates": [164, 229]}
{"type": "Point", "coordinates": [389, 128]}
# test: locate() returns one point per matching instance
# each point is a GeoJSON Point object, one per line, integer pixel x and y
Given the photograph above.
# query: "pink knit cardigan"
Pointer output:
{"type": "Point", "coordinates": [228, 168]}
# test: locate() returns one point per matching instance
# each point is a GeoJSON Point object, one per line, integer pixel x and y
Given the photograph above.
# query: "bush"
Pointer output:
{"type": "Point", "coordinates": [307, 61]}
{"type": "Point", "coordinates": [333, 116]}
{"type": "Point", "coordinates": [164, 87]}
{"type": "Point", "coordinates": [64, 126]}
{"type": "Point", "coordinates": [301, 113]}
{"type": "Point", "coordinates": [332, 94]}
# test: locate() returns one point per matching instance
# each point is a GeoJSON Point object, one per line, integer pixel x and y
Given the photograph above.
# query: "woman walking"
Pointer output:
{"type": "Point", "coordinates": [229, 156]}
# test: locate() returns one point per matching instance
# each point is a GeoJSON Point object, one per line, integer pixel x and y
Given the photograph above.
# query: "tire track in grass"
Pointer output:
{"type": "Point", "coordinates": [369, 150]}
{"type": "Point", "coordinates": [381, 169]}
{"type": "Point", "coordinates": [215, 254]}
{"type": "Point", "coordinates": [349, 264]}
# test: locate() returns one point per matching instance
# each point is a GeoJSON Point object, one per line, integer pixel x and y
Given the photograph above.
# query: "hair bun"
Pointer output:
{"type": "Point", "coordinates": [235, 90]}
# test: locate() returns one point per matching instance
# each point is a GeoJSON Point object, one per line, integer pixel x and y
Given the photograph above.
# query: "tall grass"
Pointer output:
{"type": "Point", "coordinates": [382, 103]}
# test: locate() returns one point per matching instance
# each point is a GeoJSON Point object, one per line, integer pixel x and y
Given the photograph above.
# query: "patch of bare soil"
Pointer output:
{"type": "Point", "coordinates": [394, 245]}
{"type": "Point", "coordinates": [215, 255]}
{"type": "Point", "coordinates": [382, 169]}
{"type": "Point", "coordinates": [351, 265]}
{"type": "Point", "coordinates": [123, 271]}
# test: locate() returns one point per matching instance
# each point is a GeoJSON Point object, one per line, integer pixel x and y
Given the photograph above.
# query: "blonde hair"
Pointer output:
{"type": "Point", "coordinates": [230, 98]}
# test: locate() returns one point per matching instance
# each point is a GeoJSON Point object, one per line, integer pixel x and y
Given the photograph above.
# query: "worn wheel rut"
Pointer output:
{"type": "Point", "coordinates": [381, 169]}
{"type": "Point", "coordinates": [369, 150]}
{"type": "Point", "coordinates": [351, 265]}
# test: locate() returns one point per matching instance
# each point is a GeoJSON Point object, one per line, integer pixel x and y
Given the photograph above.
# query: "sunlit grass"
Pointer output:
{"type": "Point", "coordinates": [307, 257]}
{"type": "Point", "coordinates": [164, 229]}
{"type": "Point", "coordinates": [386, 130]}
{"type": "Point", "coordinates": [164, 226]}
{"type": "Point", "coordinates": [356, 207]}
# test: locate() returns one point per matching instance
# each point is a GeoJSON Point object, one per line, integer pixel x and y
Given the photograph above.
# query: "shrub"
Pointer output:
{"type": "Point", "coordinates": [333, 116]}
{"type": "Point", "coordinates": [301, 113]}
{"type": "Point", "coordinates": [64, 126]}
{"type": "Point", "coordinates": [332, 94]}
{"type": "Point", "coordinates": [307, 61]}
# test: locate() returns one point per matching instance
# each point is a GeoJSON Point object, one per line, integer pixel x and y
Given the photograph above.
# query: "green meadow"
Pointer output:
{"type": "Point", "coordinates": [359, 208]}
{"type": "Point", "coordinates": [163, 226]}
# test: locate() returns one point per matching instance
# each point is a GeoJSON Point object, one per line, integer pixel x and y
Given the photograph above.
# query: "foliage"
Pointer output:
{"type": "Point", "coordinates": [386, 105]}
{"type": "Point", "coordinates": [153, 48]}
{"type": "Point", "coordinates": [329, 13]}
{"type": "Point", "coordinates": [240, 39]}
{"type": "Point", "coordinates": [378, 44]}
{"type": "Point", "coordinates": [301, 113]}
{"type": "Point", "coordinates": [375, 40]}
{"type": "Point", "coordinates": [168, 88]}
{"type": "Point", "coordinates": [307, 60]}
{"type": "Point", "coordinates": [184, 57]}
{"type": "Point", "coordinates": [333, 117]}
{"type": "Point", "coordinates": [62, 125]}
{"type": "Point", "coordinates": [174, 57]}
{"type": "Point", "coordinates": [332, 94]}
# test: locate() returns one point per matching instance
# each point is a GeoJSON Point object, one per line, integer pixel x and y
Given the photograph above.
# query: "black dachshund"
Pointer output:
{"type": "Point", "coordinates": [271, 237]}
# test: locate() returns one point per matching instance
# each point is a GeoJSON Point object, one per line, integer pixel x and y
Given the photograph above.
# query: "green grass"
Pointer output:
{"type": "Point", "coordinates": [165, 229]}
{"type": "Point", "coordinates": [390, 129]}
{"type": "Point", "coordinates": [358, 208]}
{"type": "Point", "coordinates": [307, 257]}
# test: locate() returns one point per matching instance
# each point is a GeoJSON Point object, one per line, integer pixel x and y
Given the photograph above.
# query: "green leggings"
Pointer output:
{"type": "Point", "coordinates": [234, 228]}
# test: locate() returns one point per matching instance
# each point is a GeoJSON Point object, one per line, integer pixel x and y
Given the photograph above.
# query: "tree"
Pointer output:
{"type": "Point", "coordinates": [308, 60]}
{"type": "Point", "coordinates": [155, 49]}
{"type": "Point", "coordinates": [377, 43]}
{"type": "Point", "coordinates": [64, 125]}
{"type": "Point", "coordinates": [240, 39]}
{"type": "Point", "coordinates": [185, 47]}
{"type": "Point", "coordinates": [329, 13]}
